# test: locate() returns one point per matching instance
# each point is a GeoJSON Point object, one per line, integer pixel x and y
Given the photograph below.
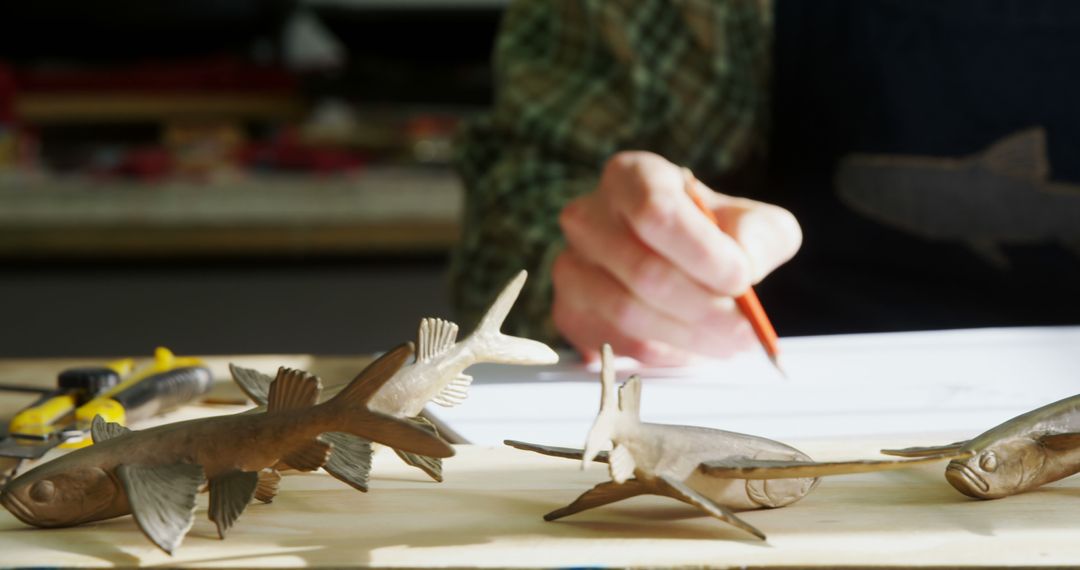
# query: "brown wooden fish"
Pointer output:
{"type": "Point", "coordinates": [1032, 449]}
{"type": "Point", "coordinates": [155, 474]}
{"type": "Point", "coordinates": [716, 471]}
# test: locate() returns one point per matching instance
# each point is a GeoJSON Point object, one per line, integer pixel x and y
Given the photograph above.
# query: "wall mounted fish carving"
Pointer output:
{"type": "Point", "coordinates": [719, 472]}
{"type": "Point", "coordinates": [437, 375]}
{"type": "Point", "coordinates": [1032, 449]}
{"type": "Point", "coordinates": [154, 474]}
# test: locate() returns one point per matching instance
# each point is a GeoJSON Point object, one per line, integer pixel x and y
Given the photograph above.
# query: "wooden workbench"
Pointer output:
{"type": "Point", "coordinates": [488, 513]}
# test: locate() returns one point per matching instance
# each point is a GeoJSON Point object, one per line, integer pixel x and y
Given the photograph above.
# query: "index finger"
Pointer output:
{"type": "Point", "coordinates": [648, 192]}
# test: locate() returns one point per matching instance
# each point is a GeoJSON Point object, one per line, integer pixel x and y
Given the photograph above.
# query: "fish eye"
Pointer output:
{"type": "Point", "coordinates": [42, 491]}
{"type": "Point", "coordinates": [988, 462]}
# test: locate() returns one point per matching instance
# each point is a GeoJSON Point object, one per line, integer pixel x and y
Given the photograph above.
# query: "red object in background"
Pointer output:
{"type": "Point", "coordinates": [287, 152]}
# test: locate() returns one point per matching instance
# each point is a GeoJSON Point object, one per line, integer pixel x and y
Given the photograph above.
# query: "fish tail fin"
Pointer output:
{"type": "Point", "coordinates": [603, 427]}
{"type": "Point", "coordinates": [349, 412]}
{"type": "Point", "coordinates": [490, 345]}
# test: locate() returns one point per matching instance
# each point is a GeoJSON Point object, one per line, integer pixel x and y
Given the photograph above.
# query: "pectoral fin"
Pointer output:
{"type": "Point", "coordinates": [430, 465]}
{"type": "Point", "coordinates": [252, 382]}
{"type": "Point", "coordinates": [455, 392]}
{"type": "Point", "coordinates": [162, 500]}
{"type": "Point", "coordinates": [781, 469]}
{"type": "Point", "coordinates": [229, 496]}
{"type": "Point", "coordinates": [1061, 441]}
{"type": "Point", "coordinates": [309, 457]}
{"type": "Point", "coordinates": [681, 491]}
{"type": "Point", "coordinates": [564, 452]}
{"type": "Point", "coordinates": [267, 488]}
{"type": "Point", "coordinates": [603, 494]}
{"type": "Point", "coordinates": [925, 451]}
{"type": "Point", "coordinates": [350, 460]}
{"type": "Point", "coordinates": [103, 430]}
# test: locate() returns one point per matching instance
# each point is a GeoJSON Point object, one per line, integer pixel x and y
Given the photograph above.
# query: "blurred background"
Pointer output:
{"type": "Point", "coordinates": [230, 177]}
{"type": "Point", "coordinates": [275, 175]}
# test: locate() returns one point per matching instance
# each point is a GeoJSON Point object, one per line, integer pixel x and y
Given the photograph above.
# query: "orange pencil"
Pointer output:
{"type": "Point", "coordinates": [748, 302]}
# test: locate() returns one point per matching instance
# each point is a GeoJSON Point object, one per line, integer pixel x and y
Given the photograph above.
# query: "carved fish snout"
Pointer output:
{"type": "Point", "coordinates": [966, 480]}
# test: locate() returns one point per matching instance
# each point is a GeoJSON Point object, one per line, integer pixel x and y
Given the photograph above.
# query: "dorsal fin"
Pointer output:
{"type": "Point", "coordinates": [434, 338]}
{"type": "Point", "coordinates": [292, 390]}
{"type": "Point", "coordinates": [630, 397]}
{"type": "Point", "coordinates": [103, 430]}
{"type": "Point", "coordinates": [604, 425]}
{"type": "Point", "coordinates": [1019, 155]}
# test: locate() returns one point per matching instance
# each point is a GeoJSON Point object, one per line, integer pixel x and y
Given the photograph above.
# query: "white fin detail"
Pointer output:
{"type": "Point", "coordinates": [435, 337]}
{"type": "Point", "coordinates": [621, 464]}
{"type": "Point", "coordinates": [604, 425]}
{"type": "Point", "coordinates": [455, 392]}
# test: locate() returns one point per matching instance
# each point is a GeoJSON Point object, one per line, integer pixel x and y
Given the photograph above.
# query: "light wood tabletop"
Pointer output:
{"type": "Point", "coordinates": [487, 513]}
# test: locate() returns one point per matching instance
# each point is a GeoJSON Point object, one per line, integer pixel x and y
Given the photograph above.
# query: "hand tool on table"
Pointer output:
{"type": "Point", "coordinates": [63, 417]}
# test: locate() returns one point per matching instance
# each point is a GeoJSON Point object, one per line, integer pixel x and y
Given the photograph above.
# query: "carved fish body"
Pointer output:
{"type": "Point", "coordinates": [1025, 452]}
{"type": "Point", "coordinates": [714, 470]}
{"type": "Point", "coordinates": [679, 451]}
{"type": "Point", "coordinates": [1001, 195]}
{"type": "Point", "coordinates": [155, 473]}
{"type": "Point", "coordinates": [436, 376]}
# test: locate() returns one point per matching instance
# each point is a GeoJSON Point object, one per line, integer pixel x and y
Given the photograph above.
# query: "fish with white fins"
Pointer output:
{"type": "Point", "coordinates": [437, 375]}
{"type": "Point", "coordinates": [154, 474]}
{"type": "Point", "coordinates": [719, 472]}
{"type": "Point", "coordinates": [1026, 452]}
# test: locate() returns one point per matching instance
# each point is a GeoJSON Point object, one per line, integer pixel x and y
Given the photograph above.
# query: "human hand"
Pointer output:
{"type": "Point", "coordinates": [647, 272]}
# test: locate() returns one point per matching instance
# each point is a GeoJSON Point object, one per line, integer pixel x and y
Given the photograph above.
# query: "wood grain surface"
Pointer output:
{"type": "Point", "coordinates": [488, 514]}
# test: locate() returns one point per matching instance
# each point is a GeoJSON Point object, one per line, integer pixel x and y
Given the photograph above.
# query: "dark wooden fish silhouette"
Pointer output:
{"type": "Point", "coordinates": [717, 471]}
{"type": "Point", "coordinates": [1030, 450]}
{"type": "Point", "coordinates": [1001, 195]}
{"type": "Point", "coordinates": [155, 474]}
{"type": "Point", "coordinates": [436, 376]}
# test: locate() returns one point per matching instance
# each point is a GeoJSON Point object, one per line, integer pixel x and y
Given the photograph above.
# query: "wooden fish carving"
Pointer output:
{"type": "Point", "coordinates": [1002, 195]}
{"type": "Point", "coordinates": [717, 471]}
{"type": "Point", "coordinates": [436, 376]}
{"type": "Point", "coordinates": [1032, 449]}
{"type": "Point", "coordinates": [155, 474]}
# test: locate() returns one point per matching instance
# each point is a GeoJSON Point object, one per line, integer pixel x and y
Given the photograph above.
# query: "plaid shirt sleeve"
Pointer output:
{"type": "Point", "coordinates": [577, 81]}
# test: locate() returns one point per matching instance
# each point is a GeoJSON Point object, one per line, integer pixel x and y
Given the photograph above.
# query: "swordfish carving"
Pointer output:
{"type": "Point", "coordinates": [155, 474]}
{"type": "Point", "coordinates": [1030, 450]}
{"type": "Point", "coordinates": [719, 472]}
{"type": "Point", "coordinates": [437, 375]}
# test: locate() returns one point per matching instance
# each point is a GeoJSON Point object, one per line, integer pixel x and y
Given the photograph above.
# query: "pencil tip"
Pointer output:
{"type": "Point", "coordinates": [776, 362]}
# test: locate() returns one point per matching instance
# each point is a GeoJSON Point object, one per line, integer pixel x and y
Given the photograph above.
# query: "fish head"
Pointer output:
{"type": "Point", "coordinates": [997, 470]}
{"type": "Point", "coordinates": [53, 498]}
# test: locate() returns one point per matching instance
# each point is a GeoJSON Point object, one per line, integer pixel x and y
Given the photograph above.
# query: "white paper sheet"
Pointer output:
{"type": "Point", "coordinates": [962, 381]}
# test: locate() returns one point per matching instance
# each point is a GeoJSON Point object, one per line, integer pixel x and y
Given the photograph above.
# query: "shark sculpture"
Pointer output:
{"type": "Point", "coordinates": [1002, 195]}
{"type": "Point", "coordinates": [437, 375]}
{"type": "Point", "coordinates": [154, 474]}
{"type": "Point", "coordinates": [1030, 450]}
{"type": "Point", "coordinates": [717, 471]}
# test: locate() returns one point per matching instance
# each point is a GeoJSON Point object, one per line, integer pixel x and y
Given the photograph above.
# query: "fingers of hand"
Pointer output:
{"type": "Point", "coordinates": [592, 307]}
{"type": "Point", "coordinates": [601, 239]}
{"type": "Point", "coordinates": [648, 193]}
{"type": "Point", "coordinates": [768, 234]}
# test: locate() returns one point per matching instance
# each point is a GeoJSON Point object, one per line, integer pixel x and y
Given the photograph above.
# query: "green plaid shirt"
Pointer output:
{"type": "Point", "coordinates": [577, 81]}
